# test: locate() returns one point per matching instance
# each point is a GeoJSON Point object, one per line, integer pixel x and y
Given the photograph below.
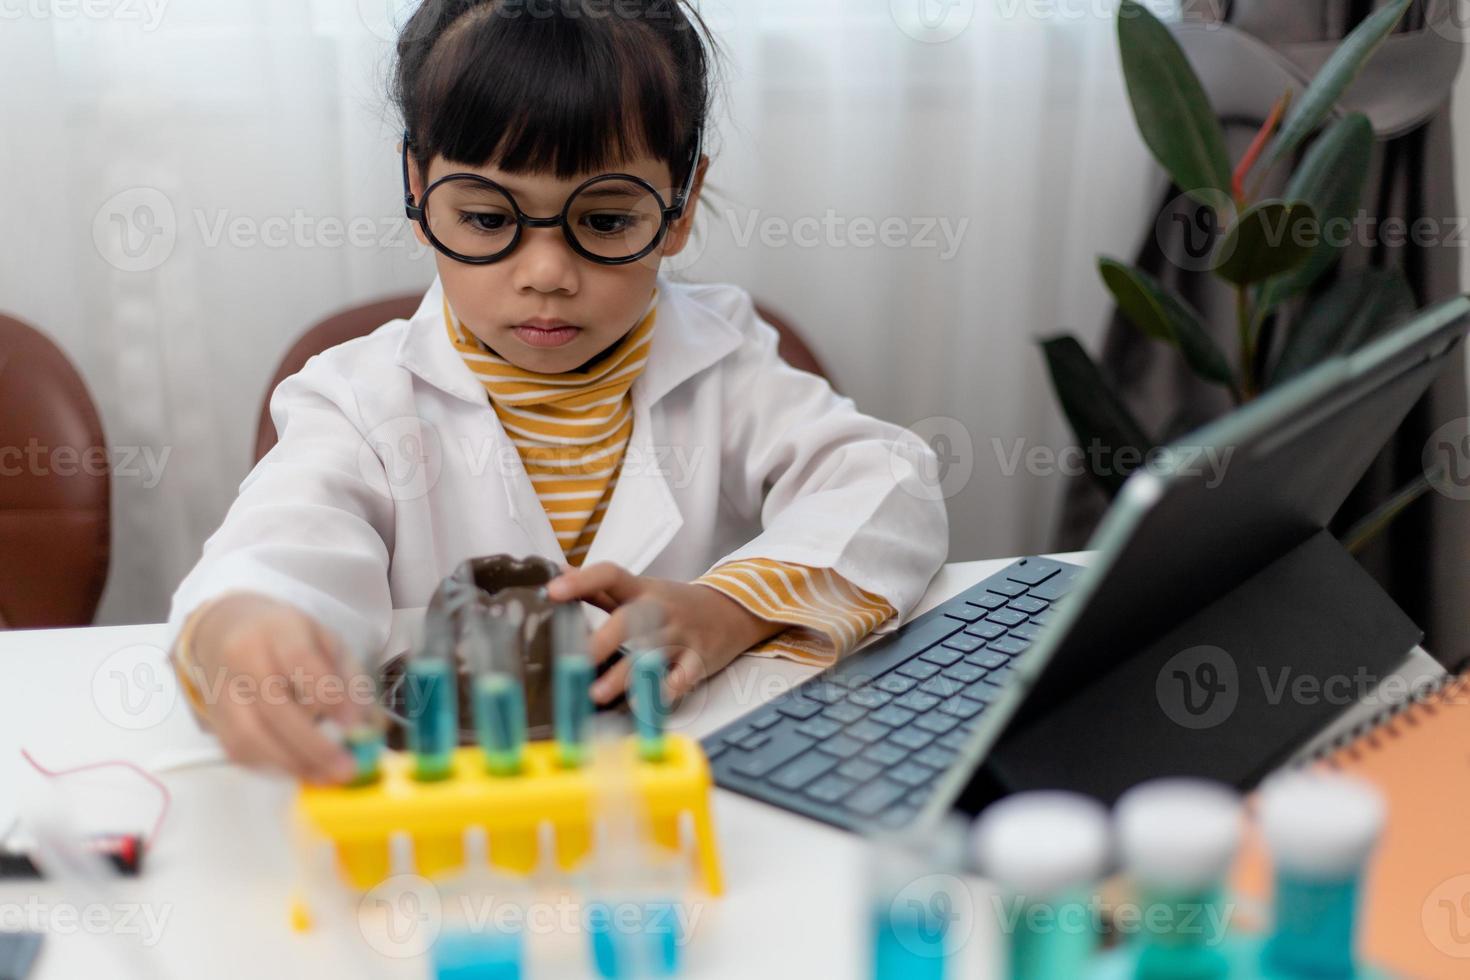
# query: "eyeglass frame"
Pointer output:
{"type": "Point", "coordinates": [668, 214]}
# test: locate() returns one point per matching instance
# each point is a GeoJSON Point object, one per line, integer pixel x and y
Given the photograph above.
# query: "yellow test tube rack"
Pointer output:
{"type": "Point", "coordinates": [514, 811]}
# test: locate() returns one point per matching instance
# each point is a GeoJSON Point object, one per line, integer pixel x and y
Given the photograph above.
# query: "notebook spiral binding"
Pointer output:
{"type": "Point", "coordinates": [1424, 698]}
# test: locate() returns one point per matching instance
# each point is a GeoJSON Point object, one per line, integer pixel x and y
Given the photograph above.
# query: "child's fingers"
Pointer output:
{"type": "Point", "coordinates": [291, 725]}
{"type": "Point", "coordinates": [620, 584]}
{"type": "Point", "coordinates": [686, 671]}
{"type": "Point", "coordinates": [342, 705]}
{"type": "Point", "coordinates": [614, 682]}
{"type": "Point", "coordinates": [606, 639]}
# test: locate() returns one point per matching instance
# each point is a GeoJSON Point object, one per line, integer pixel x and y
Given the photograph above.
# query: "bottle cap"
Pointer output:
{"type": "Point", "coordinates": [1043, 843]}
{"type": "Point", "coordinates": [1321, 825]}
{"type": "Point", "coordinates": [1179, 834]}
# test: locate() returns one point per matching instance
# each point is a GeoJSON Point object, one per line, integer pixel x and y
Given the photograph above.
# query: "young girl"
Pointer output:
{"type": "Point", "coordinates": [553, 396]}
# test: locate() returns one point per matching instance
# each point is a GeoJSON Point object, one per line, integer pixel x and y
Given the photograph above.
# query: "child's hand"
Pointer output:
{"type": "Point", "coordinates": [704, 629]}
{"type": "Point", "coordinates": [267, 671]}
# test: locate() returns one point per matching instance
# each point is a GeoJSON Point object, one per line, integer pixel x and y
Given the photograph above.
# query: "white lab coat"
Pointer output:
{"type": "Point", "coordinates": [392, 468]}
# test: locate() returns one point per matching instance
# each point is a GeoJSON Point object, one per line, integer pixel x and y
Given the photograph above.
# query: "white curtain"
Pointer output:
{"type": "Point", "coordinates": [919, 185]}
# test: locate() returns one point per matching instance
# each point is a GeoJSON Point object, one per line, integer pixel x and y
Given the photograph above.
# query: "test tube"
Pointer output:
{"type": "Point", "coordinates": [571, 684]}
{"type": "Point", "coordinates": [1320, 829]}
{"type": "Point", "coordinates": [471, 945]}
{"type": "Point", "coordinates": [1048, 850]}
{"type": "Point", "coordinates": [1178, 839]}
{"type": "Point", "coordinates": [365, 727]}
{"type": "Point", "coordinates": [919, 911]}
{"type": "Point", "coordinates": [649, 666]}
{"type": "Point", "coordinates": [636, 888]}
{"type": "Point", "coordinates": [431, 702]}
{"type": "Point", "coordinates": [493, 649]}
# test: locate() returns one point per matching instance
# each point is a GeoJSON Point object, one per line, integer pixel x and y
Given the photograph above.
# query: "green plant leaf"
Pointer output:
{"type": "Point", "coordinates": [1094, 409]}
{"type": "Point", "coordinates": [1334, 78]}
{"type": "Point", "coordinates": [1164, 316]}
{"type": "Point", "coordinates": [1354, 310]}
{"type": "Point", "coordinates": [1266, 240]}
{"type": "Point", "coordinates": [1173, 113]}
{"type": "Point", "coordinates": [1330, 179]}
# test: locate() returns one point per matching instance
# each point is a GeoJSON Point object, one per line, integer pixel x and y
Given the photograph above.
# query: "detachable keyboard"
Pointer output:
{"type": "Point", "coordinates": [861, 744]}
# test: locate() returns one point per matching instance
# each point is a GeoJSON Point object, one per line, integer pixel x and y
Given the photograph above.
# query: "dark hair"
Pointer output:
{"type": "Point", "coordinates": [558, 86]}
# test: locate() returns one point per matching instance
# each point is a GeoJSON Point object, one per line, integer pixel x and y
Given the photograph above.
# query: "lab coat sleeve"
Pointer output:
{"type": "Point", "coordinates": [312, 520]}
{"type": "Point", "coordinates": [832, 487]}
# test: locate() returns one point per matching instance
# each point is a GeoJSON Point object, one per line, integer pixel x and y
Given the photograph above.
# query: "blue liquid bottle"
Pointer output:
{"type": "Point", "coordinates": [1321, 829]}
{"type": "Point", "coordinates": [1177, 839]}
{"type": "Point", "coordinates": [484, 917]}
{"type": "Point", "coordinates": [919, 909]}
{"type": "Point", "coordinates": [1047, 851]}
{"type": "Point", "coordinates": [432, 703]}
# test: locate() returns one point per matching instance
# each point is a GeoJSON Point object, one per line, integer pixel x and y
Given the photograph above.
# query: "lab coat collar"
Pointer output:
{"type": "Point", "coordinates": [686, 339]}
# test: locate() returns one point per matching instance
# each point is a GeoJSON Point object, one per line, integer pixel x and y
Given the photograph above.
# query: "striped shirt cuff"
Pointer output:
{"type": "Point", "coordinates": [827, 615]}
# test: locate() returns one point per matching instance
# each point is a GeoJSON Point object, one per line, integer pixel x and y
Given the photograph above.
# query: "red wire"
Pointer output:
{"type": "Point", "coordinates": [158, 785]}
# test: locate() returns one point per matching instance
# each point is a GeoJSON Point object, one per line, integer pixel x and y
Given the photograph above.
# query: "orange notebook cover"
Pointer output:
{"type": "Point", "coordinates": [1416, 907]}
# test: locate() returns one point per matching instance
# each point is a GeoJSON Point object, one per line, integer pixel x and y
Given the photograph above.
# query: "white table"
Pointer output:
{"type": "Point", "coordinates": [214, 896]}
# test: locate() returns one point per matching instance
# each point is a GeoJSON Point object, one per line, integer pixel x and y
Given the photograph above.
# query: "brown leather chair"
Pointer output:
{"type": "Point", "coordinates": [55, 486]}
{"type": "Point", "coordinates": [362, 320]}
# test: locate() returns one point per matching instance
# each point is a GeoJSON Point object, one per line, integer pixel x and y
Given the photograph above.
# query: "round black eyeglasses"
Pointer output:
{"type": "Point", "coordinates": [612, 219]}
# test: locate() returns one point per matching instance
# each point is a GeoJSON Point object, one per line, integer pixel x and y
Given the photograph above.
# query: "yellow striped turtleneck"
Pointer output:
{"type": "Point", "coordinates": [571, 431]}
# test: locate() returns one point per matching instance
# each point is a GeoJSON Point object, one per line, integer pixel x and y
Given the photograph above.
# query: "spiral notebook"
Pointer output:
{"type": "Point", "coordinates": [1416, 912]}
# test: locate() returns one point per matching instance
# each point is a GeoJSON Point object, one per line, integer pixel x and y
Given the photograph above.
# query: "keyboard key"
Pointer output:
{"type": "Point", "coordinates": [1007, 617]}
{"type": "Point", "coordinates": [964, 612]}
{"type": "Point", "coordinates": [841, 746]}
{"type": "Point", "coordinates": [955, 740]}
{"type": "Point", "coordinates": [934, 723]}
{"type": "Point", "coordinates": [771, 756]}
{"type": "Point", "coordinates": [884, 754]}
{"type": "Point", "coordinates": [1052, 590]}
{"type": "Point", "coordinates": [794, 775]}
{"type": "Point", "coordinates": [714, 750]}
{"type": "Point", "coordinates": [911, 774]}
{"type": "Point", "coordinates": [941, 687]}
{"type": "Point", "coordinates": [984, 691]}
{"type": "Point", "coordinates": [764, 719]}
{"type": "Point", "coordinates": [985, 631]}
{"type": "Point", "coordinates": [944, 654]}
{"type": "Point", "coordinates": [737, 735]}
{"type": "Point", "coordinates": [752, 742]}
{"type": "Point", "coordinates": [894, 684]}
{"type": "Point", "coordinates": [1006, 588]}
{"type": "Point", "coordinates": [874, 797]}
{"type": "Point", "coordinates": [963, 643]}
{"type": "Point", "coordinates": [1026, 631]}
{"type": "Point", "coordinates": [868, 731]}
{"type": "Point", "coordinates": [859, 769]}
{"type": "Point", "coordinates": [819, 728]}
{"type": "Point", "coordinates": [961, 707]}
{"type": "Point", "coordinates": [964, 673]}
{"type": "Point", "coordinates": [1032, 572]}
{"type": "Point", "coordinates": [799, 708]}
{"type": "Point", "coordinates": [918, 670]}
{"type": "Point", "coordinates": [936, 757]}
{"type": "Point", "coordinates": [913, 738]}
{"type": "Point", "coordinates": [845, 713]}
{"type": "Point", "coordinates": [1028, 604]}
{"type": "Point", "coordinates": [898, 817]}
{"type": "Point", "coordinates": [918, 797]}
{"type": "Point", "coordinates": [830, 789]}
{"type": "Point", "coordinates": [917, 701]}
{"type": "Point", "coordinates": [1009, 644]}
{"type": "Point", "coordinates": [893, 716]}
{"type": "Point", "coordinates": [989, 600]}
{"type": "Point", "coordinates": [870, 697]}
{"type": "Point", "coordinates": [1002, 677]}
{"type": "Point", "coordinates": [989, 659]}
{"type": "Point", "coordinates": [1041, 618]}
{"type": "Point", "coordinates": [824, 692]}
{"type": "Point", "coordinates": [852, 678]}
